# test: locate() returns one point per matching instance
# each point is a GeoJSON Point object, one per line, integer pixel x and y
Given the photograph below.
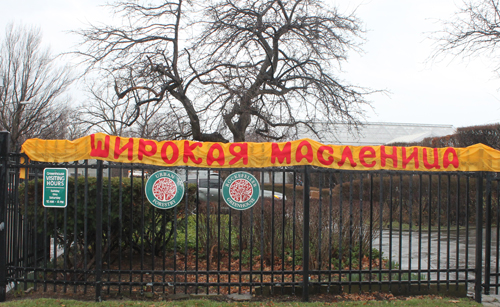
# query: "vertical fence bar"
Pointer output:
{"type": "Point", "coordinates": [381, 208]}
{"type": "Point", "coordinates": [273, 229]}
{"type": "Point", "coordinates": [305, 251]}
{"type": "Point", "coordinates": [320, 225]}
{"type": "Point", "coordinates": [370, 251]}
{"type": "Point", "coordinates": [420, 231]}
{"type": "Point", "coordinates": [457, 222]}
{"type": "Point", "coordinates": [27, 241]}
{"type": "Point", "coordinates": [341, 223]}
{"type": "Point", "coordinates": [360, 230]}
{"type": "Point", "coordinates": [142, 231]}
{"type": "Point", "coordinates": [350, 229]}
{"type": "Point", "coordinates": [438, 274]}
{"type": "Point", "coordinates": [283, 221]}
{"type": "Point", "coordinates": [17, 234]}
{"type": "Point", "coordinates": [497, 245]}
{"type": "Point", "coordinates": [65, 239]}
{"type": "Point", "coordinates": [448, 223]}
{"type": "Point", "coordinates": [188, 214]}
{"type": "Point", "coordinates": [4, 159]}
{"type": "Point", "coordinates": [429, 229]}
{"type": "Point", "coordinates": [410, 209]}
{"type": "Point", "coordinates": [37, 241]}
{"type": "Point", "coordinates": [487, 236]}
{"type": "Point", "coordinates": [390, 230]}
{"type": "Point", "coordinates": [330, 232]}
{"type": "Point", "coordinates": [108, 233]}
{"type": "Point", "coordinates": [75, 225]}
{"type": "Point", "coordinates": [467, 207]}
{"type": "Point", "coordinates": [197, 242]}
{"type": "Point", "coordinates": [98, 232]}
{"type": "Point", "coordinates": [85, 227]}
{"type": "Point", "coordinates": [400, 244]}
{"type": "Point", "coordinates": [262, 230]}
{"type": "Point", "coordinates": [479, 237]}
{"type": "Point", "coordinates": [294, 220]}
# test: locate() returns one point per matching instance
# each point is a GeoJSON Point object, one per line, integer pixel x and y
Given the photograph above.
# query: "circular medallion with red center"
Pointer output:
{"type": "Point", "coordinates": [164, 189]}
{"type": "Point", "coordinates": [240, 190]}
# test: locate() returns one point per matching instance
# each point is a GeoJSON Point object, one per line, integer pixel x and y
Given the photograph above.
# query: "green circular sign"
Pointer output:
{"type": "Point", "coordinates": [164, 189]}
{"type": "Point", "coordinates": [241, 190]}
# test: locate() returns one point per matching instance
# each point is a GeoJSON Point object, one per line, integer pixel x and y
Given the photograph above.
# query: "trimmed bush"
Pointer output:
{"type": "Point", "coordinates": [129, 221]}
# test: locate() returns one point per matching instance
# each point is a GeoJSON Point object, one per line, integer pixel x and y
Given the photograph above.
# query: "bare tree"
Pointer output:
{"type": "Point", "coordinates": [258, 67]}
{"type": "Point", "coordinates": [75, 128]}
{"type": "Point", "coordinates": [105, 113]}
{"type": "Point", "coordinates": [474, 30]}
{"type": "Point", "coordinates": [156, 123]}
{"type": "Point", "coordinates": [31, 88]}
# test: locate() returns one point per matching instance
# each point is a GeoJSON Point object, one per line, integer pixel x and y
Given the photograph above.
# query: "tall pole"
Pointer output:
{"type": "Point", "coordinates": [4, 180]}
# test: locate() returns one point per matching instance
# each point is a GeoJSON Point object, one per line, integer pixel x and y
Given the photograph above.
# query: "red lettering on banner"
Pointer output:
{"type": "Point", "coordinates": [210, 155]}
{"type": "Point", "coordinates": [142, 148]}
{"type": "Point", "coordinates": [242, 154]}
{"type": "Point", "coordinates": [129, 146]}
{"type": "Point", "coordinates": [371, 154]}
{"type": "Point", "coordinates": [321, 159]}
{"type": "Point", "coordinates": [299, 156]}
{"type": "Point", "coordinates": [347, 154]}
{"type": "Point", "coordinates": [446, 159]}
{"type": "Point", "coordinates": [99, 150]}
{"type": "Point", "coordinates": [175, 152]}
{"type": "Point", "coordinates": [188, 152]}
{"type": "Point", "coordinates": [435, 164]}
{"type": "Point", "coordinates": [214, 154]}
{"type": "Point", "coordinates": [281, 155]}
{"type": "Point", "coordinates": [393, 156]}
{"type": "Point", "coordinates": [412, 156]}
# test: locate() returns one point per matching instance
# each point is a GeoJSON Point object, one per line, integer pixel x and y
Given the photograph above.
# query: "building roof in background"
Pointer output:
{"type": "Point", "coordinates": [376, 133]}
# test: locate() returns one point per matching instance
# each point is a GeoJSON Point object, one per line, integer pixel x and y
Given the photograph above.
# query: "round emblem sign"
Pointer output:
{"type": "Point", "coordinates": [164, 189]}
{"type": "Point", "coordinates": [240, 190]}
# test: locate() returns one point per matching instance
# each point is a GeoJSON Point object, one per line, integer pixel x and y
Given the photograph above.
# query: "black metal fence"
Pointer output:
{"type": "Point", "coordinates": [324, 231]}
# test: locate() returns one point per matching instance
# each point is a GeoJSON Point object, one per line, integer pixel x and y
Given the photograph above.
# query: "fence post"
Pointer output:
{"type": "Point", "coordinates": [479, 237]}
{"type": "Point", "coordinates": [98, 233]}
{"type": "Point", "coordinates": [487, 237]}
{"type": "Point", "coordinates": [305, 244]}
{"type": "Point", "coordinates": [4, 181]}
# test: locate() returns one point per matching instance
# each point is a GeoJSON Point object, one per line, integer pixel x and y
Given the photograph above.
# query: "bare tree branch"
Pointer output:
{"type": "Point", "coordinates": [256, 66]}
{"type": "Point", "coordinates": [474, 30]}
{"type": "Point", "coordinates": [29, 73]}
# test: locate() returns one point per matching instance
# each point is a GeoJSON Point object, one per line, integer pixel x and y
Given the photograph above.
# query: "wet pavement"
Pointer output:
{"type": "Point", "coordinates": [491, 300]}
{"type": "Point", "coordinates": [440, 255]}
{"type": "Point", "coordinates": [448, 251]}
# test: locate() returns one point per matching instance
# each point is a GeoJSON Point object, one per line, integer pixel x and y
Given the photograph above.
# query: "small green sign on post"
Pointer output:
{"type": "Point", "coordinates": [55, 187]}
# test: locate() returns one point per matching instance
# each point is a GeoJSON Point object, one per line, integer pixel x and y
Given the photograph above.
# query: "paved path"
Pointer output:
{"type": "Point", "coordinates": [491, 300]}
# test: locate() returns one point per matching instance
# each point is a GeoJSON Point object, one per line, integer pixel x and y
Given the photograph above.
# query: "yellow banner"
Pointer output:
{"type": "Point", "coordinates": [240, 155]}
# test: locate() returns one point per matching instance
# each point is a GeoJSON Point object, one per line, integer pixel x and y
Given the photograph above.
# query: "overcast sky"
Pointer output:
{"type": "Point", "coordinates": [395, 58]}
